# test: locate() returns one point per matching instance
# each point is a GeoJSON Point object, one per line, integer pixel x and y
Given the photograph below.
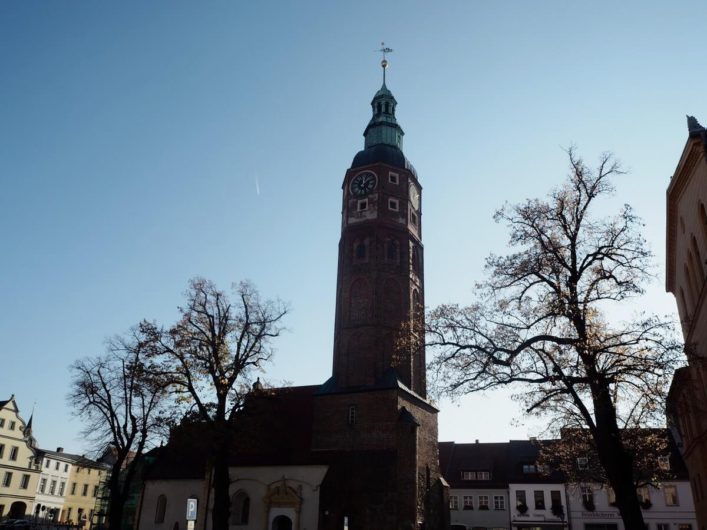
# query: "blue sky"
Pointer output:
{"type": "Point", "coordinates": [145, 143]}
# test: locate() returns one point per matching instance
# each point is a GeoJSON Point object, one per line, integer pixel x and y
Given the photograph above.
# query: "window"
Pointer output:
{"type": "Point", "coordinates": [392, 250]}
{"type": "Point", "coordinates": [161, 508]}
{"type": "Point", "coordinates": [12, 425]}
{"type": "Point", "coordinates": [483, 475]}
{"type": "Point", "coordinates": [68, 514]}
{"type": "Point", "coordinates": [66, 468]}
{"type": "Point", "coordinates": [453, 502]}
{"type": "Point", "coordinates": [468, 502]}
{"type": "Point", "coordinates": [2, 424]}
{"type": "Point", "coordinates": [499, 502]}
{"type": "Point", "coordinates": [393, 205]}
{"type": "Point", "coordinates": [62, 487]}
{"type": "Point", "coordinates": [664, 463]}
{"type": "Point", "coordinates": [644, 495]}
{"type": "Point", "coordinates": [393, 178]}
{"type": "Point", "coordinates": [582, 462]}
{"type": "Point", "coordinates": [46, 463]}
{"type": "Point", "coordinates": [539, 496]}
{"type": "Point", "coordinates": [555, 499]}
{"type": "Point", "coordinates": [662, 526]}
{"type": "Point", "coordinates": [52, 487]}
{"type": "Point", "coordinates": [24, 482]}
{"type": "Point", "coordinates": [7, 479]}
{"type": "Point", "coordinates": [240, 508]}
{"type": "Point", "coordinates": [468, 475]}
{"type": "Point", "coordinates": [483, 502]}
{"type": "Point", "coordinates": [413, 218]}
{"type": "Point", "coordinates": [587, 497]}
{"type": "Point", "coordinates": [13, 452]}
{"type": "Point", "coordinates": [73, 488]}
{"type": "Point", "coordinates": [529, 468]}
{"type": "Point", "coordinates": [520, 498]}
{"type": "Point", "coordinates": [2, 449]}
{"type": "Point", "coordinates": [95, 491]}
{"type": "Point", "coordinates": [56, 466]}
{"type": "Point", "coordinates": [352, 415]}
{"type": "Point", "coordinates": [362, 205]}
{"type": "Point", "coordinates": [84, 491]}
{"type": "Point", "coordinates": [360, 250]}
{"type": "Point", "coordinates": [671, 495]}
{"type": "Point", "coordinates": [42, 485]}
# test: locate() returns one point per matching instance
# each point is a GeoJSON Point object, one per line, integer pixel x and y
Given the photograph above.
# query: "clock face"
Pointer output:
{"type": "Point", "coordinates": [414, 196]}
{"type": "Point", "coordinates": [363, 184]}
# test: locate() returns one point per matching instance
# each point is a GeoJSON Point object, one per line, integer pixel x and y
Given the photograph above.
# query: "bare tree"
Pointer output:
{"type": "Point", "coordinates": [209, 356]}
{"type": "Point", "coordinates": [540, 322]}
{"type": "Point", "coordinates": [121, 401]}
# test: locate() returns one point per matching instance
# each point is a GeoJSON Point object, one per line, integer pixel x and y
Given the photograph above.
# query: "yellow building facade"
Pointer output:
{"type": "Point", "coordinates": [86, 483]}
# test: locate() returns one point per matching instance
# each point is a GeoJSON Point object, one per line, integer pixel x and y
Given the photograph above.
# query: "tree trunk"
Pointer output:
{"type": "Point", "coordinates": [617, 462]}
{"type": "Point", "coordinates": [222, 481]}
{"type": "Point", "coordinates": [116, 501]}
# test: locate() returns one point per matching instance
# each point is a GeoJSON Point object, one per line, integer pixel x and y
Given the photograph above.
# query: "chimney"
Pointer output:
{"type": "Point", "coordinates": [477, 441]}
{"type": "Point", "coordinates": [59, 449]}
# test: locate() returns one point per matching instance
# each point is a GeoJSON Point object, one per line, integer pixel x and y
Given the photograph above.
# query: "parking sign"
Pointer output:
{"type": "Point", "coordinates": [191, 509]}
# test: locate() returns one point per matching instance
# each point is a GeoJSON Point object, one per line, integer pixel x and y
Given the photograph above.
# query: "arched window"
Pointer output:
{"type": "Point", "coordinates": [240, 508]}
{"type": "Point", "coordinates": [416, 304]}
{"type": "Point", "coordinates": [691, 290]}
{"type": "Point", "coordinates": [700, 264]}
{"type": "Point", "coordinates": [683, 304]}
{"type": "Point", "coordinates": [392, 250]}
{"type": "Point", "coordinates": [161, 508]}
{"type": "Point", "coordinates": [360, 300]}
{"type": "Point", "coordinates": [378, 107]}
{"type": "Point", "coordinates": [360, 250]}
{"type": "Point", "coordinates": [703, 222]}
{"type": "Point", "coordinates": [415, 259]}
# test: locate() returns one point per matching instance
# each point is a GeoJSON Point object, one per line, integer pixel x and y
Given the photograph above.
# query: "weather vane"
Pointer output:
{"type": "Point", "coordinates": [384, 63]}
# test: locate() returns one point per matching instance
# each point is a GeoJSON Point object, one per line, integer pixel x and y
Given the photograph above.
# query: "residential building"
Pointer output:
{"type": "Point", "coordinates": [477, 474]}
{"type": "Point", "coordinates": [537, 495]}
{"type": "Point", "coordinates": [86, 481]}
{"type": "Point", "coordinates": [53, 482]}
{"type": "Point", "coordinates": [668, 506]}
{"type": "Point", "coordinates": [685, 277]}
{"type": "Point", "coordinates": [19, 471]}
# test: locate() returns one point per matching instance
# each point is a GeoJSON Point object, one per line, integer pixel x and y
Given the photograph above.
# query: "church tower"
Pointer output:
{"type": "Point", "coordinates": [373, 425]}
{"type": "Point", "coordinates": [380, 283]}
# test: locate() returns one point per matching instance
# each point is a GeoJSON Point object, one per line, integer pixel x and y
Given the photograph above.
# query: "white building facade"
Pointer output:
{"type": "Point", "coordinates": [668, 507]}
{"type": "Point", "coordinates": [53, 480]}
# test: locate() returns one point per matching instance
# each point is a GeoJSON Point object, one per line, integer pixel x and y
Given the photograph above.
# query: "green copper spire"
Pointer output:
{"type": "Point", "coordinates": [383, 127]}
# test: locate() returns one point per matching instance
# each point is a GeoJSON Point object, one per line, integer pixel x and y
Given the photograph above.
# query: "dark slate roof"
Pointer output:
{"type": "Point", "coordinates": [383, 153]}
{"type": "Point", "coordinates": [525, 452]}
{"type": "Point", "coordinates": [455, 458]}
{"type": "Point", "coordinates": [275, 428]}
